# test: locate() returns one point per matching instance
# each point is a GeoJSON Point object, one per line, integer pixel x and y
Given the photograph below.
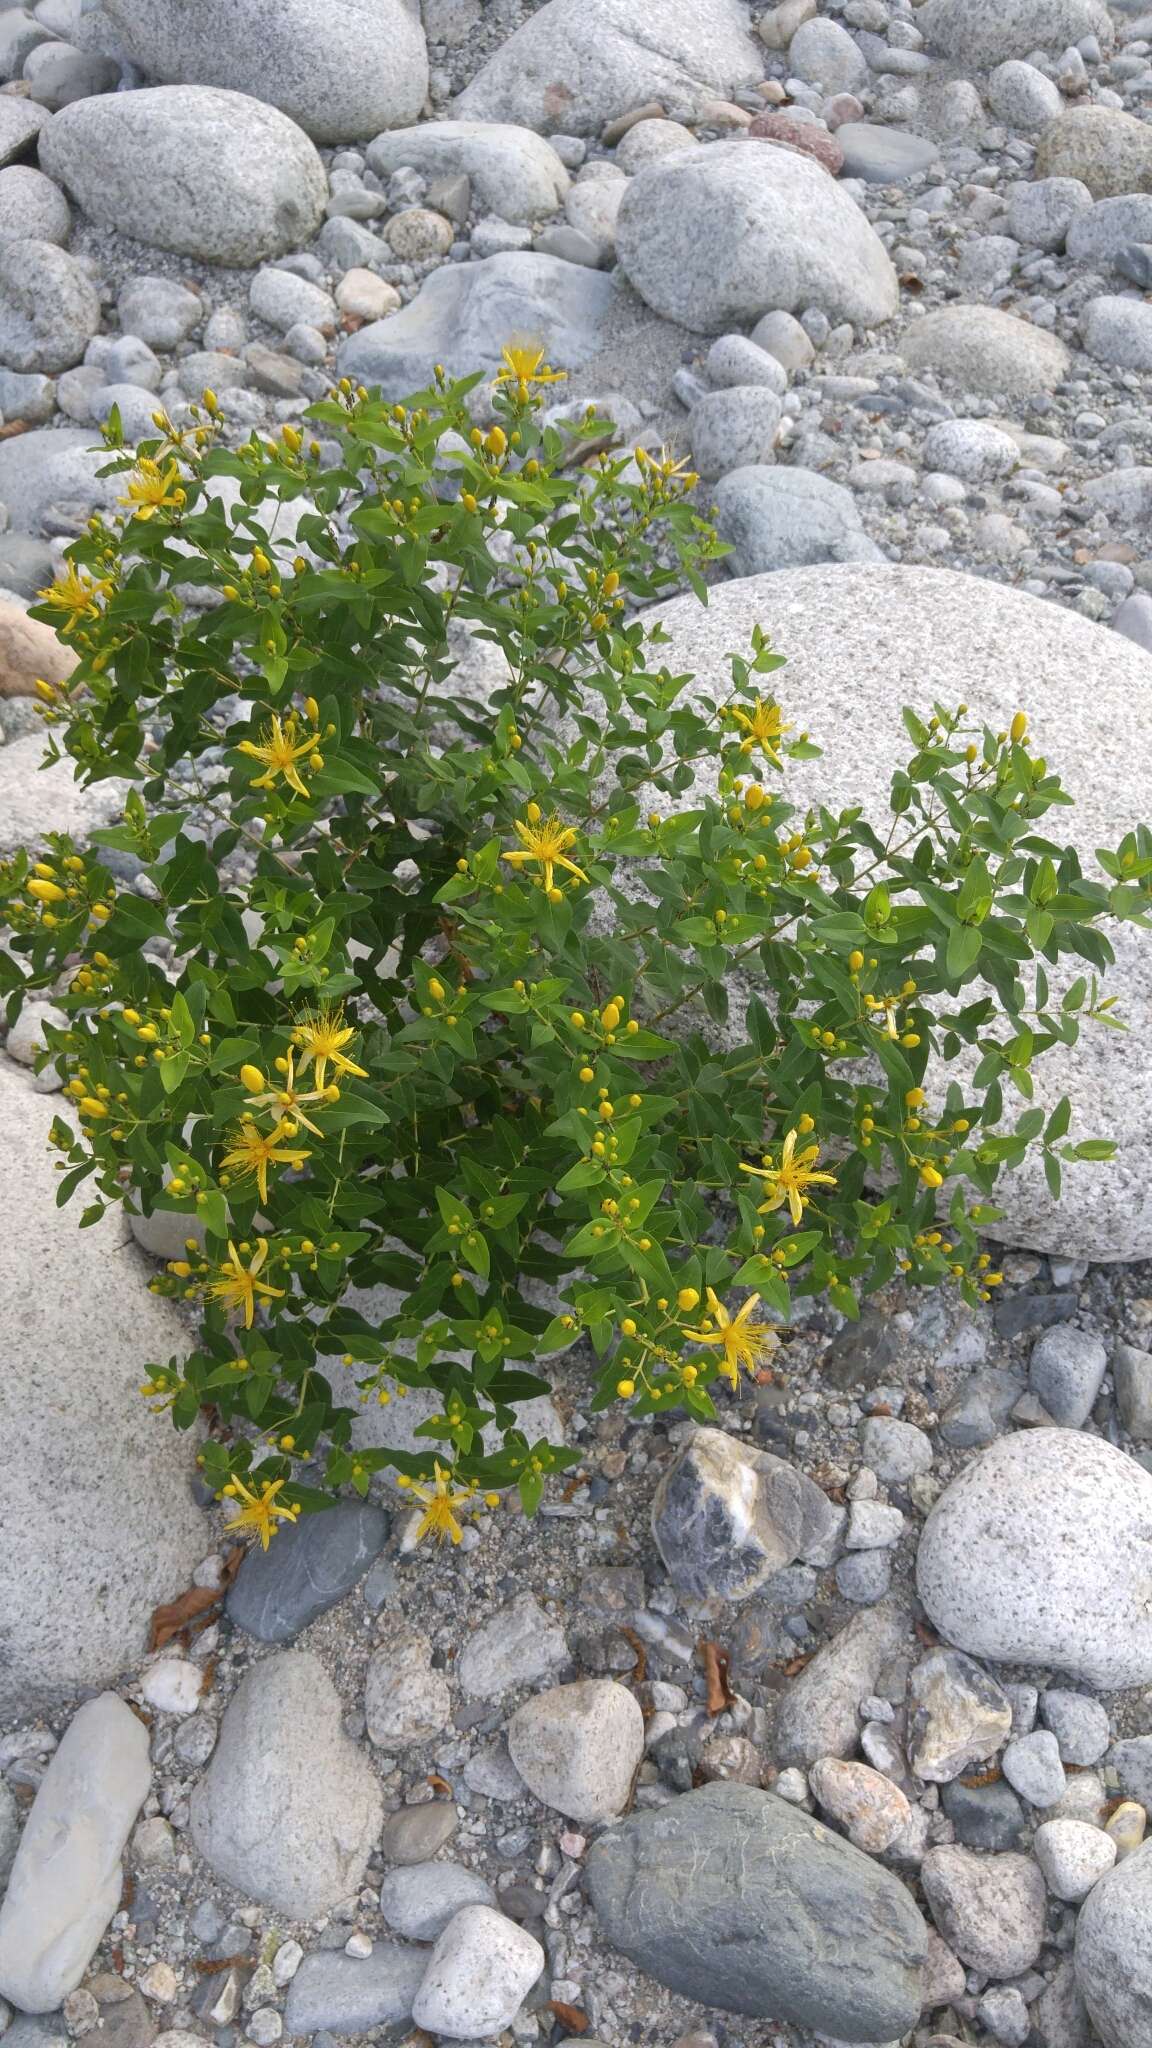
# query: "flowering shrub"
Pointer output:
{"type": "Point", "coordinates": [469, 993]}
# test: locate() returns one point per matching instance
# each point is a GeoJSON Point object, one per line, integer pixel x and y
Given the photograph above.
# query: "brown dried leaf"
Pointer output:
{"type": "Point", "coordinates": [193, 1610]}
{"type": "Point", "coordinates": [640, 1668]}
{"type": "Point", "coordinates": [569, 2016]}
{"type": "Point", "coordinates": [439, 1784]}
{"type": "Point", "coordinates": [716, 1662]}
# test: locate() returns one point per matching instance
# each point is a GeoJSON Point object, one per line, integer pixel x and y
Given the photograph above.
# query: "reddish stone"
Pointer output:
{"type": "Point", "coordinates": [804, 137]}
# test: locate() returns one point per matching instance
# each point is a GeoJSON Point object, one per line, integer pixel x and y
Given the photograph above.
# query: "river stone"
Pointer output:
{"type": "Point", "coordinates": [860, 641]}
{"type": "Point", "coordinates": [420, 1900]}
{"type": "Point", "coordinates": [1117, 329]}
{"type": "Point", "coordinates": [988, 32]}
{"type": "Point", "coordinates": [1074, 1856]}
{"type": "Point", "coordinates": [883, 156]}
{"type": "Point", "coordinates": [406, 1702]}
{"type": "Point", "coordinates": [773, 517]}
{"type": "Point", "coordinates": [873, 1810]}
{"type": "Point", "coordinates": [579, 1747]}
{"type": "Point", "coordinates": [983, 350]}
{"type": "Point", "coordinates": [736, 1899]}
{"type": "Point", "coordinates": [716, 237]}
{"type": "Point", "coordinates": [481, 1969]}
{"type": "Point", "coordinates": [1109, 151]}
{"type": "Point", "coordinates": [1040, 1553]}
{"type": "Point", "coordinates": [575, 65]}
{"type": "Point", "coordinates": [312, 1564]}
{"type": "Point", "coordinates": [342, 69]}
{"type": "Point", "coordinates": [342, 1994]}
{"type": "Point", "coordinates": [727, 1517]}
{"type": "Point", "coordinates": [66, 1879]}
{"type": "Point", "coordinates": [29, 649]}
{"type": "Point", "coordinates": [989, 1909]}
{"type": "Point", "coordinates": [465, 313]}
{"type": "Point", "coordinates": [734, 427]}
{"type": "Point", "coordinates": [957, 1715]}
{"type": "Point", "coordinates": [80, 1587]}
{"type": "Point", "coordinates": [289, 1808]}
{"type": "Point", "coordinates": [417, 1833]}
{"type": "Point", "coordinates": [189, 168]}
{"type": "Point", "coordinates": [49, 307]}
{"type": "Point", "coordinates": [1113, 1955]}
{"type": "Point", "coordinates": [20, 123]}
{"type": "Point", "coordinates": [513, 173]}
{"type": "Point", "coordinates": [519, 1645]}
{"type": "Point", "coordinates": [32, 207]}
{"type": "Point", "coordinates": [819, 1713]}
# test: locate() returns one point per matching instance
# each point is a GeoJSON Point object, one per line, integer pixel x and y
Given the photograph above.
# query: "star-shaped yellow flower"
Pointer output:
{"type": "Point", "coordinates": [252, 1151]}
{"type": "Point", "coordinates": [440, 1504]}
{"type": "Point", "coordinates": [238, 1285]}
{"type": "Point", "coordinates": [279, 749]}
{"type": "Point", "coordinates": [742, 1341]}
{"type": "Point", "coordinates": [287, 1100]}
{"type": "Point", "coordinates": [76, 595]}
{"type": "Point", "coordinates": [524, 366]}
{"type": "Point", "coordinates": [321, 1036]}
{"type": "Point", "coordinates": [763, 726]}
{"type": "Point", "coordinates": [152, 489]}
{"type": "Point", "coordinates": [790, 1181]}
{"type": "Point", "coordinates": [544, 843]}
{"type": "Point", "coordinates": [261, 1511]}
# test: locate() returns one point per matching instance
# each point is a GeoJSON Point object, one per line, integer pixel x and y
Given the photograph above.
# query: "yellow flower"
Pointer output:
{"type": "Point", "coordinates": [545, 842]}
{"type": "Point", "coordinates": [251, 1152]}
{"type": "Point", "coordinates": [321, 1036]}
{"type": "Point", "coordinates": [286, 1101]}
{"type": "Point", "coordinates": [743, 1342]}
{"type": "Point", "coordinates": [152, 489]}
{"type": "Point", "coordinates": [279, 750]}
{"type": "Point", "coordinates": [762, 727]}
{"type": "Point", "coordinates": [75, 594]}
{"type": "Point", "coordinates": [260, 1510]}
{"type": "Point", "coordinates": [440, 1504]}
{"type": "Point", "coordinates": [788, 1181]}
{"type": "Point", "coordinates": [525, 366]}
{"type": "Point", "coordinates": [238, 1285]}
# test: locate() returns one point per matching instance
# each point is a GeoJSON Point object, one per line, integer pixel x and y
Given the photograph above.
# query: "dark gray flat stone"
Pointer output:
{"type": "Point", "coordinates": [306, 1569]}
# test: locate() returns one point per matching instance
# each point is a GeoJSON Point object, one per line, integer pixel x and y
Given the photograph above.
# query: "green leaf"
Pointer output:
{"type": "Point", "coordinates": [963, 950]}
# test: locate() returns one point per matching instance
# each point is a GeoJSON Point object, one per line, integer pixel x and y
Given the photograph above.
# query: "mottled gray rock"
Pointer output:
{"type": "Point", "coordinates": [777, 518]}
{"type": "Point", "coordinates": [883, 156]}
{"type": "Point", "coordinates": [865, 1576]}
{"type": "Point", "coordinates": [819, 1713]}
{"type": "Point", "coordinates": [344, 1994]}
{"type": "Point", "coordinates": [1065, 1372]}
{"type": "Point", "coordinates": [1044, 212]}
{"type": "Point", "coordinates": [983, 350]}
{"type": "Point", "coordinates": [1023, 97]}
{"type": "Point", "coordinates": [159, 311]}
{"type": "Point", "coordinates": [650, 139]}
{"type": "Point", "coordinates": [957, 1715]}
{"type": "Point", "coordinates": [32, 208]}
{"type": "Point", "coordinates": [872, 1809]}
{"type": "Point", "coordinates": [192, 169]}
{"type": "Point", "coordinates": [420, 1900]}
{"type": "Point", "coordinates": [717, 237]}
{"type": "Point", "coordinates": [1039, 1552]}
{"type": "Point", "coordinates": [734, 1898]}
{"type": "Point", "coordinates": [417, 1833]}
{"type": "Point", "coordinates": [480, 1971]}
{"type": "Point", "coordinates": [972, 449]}
{"type": "Point", "coordinates": [1073, 1857]}
{"type": "Point", "coordinates": [520, 1645]}
{"type": "Point", "coordinates": [464, 314]}
{"type": "Point", "coordinates": [1131, 1759]}
{"type": "Point", "coordinates": [1117, 329]}
{"type": "Point", "coordinates": [735, 361]}
{"type": "Point", "coordinates": [512, 172]}
{"type": "Point", "coordinates": [824, 54]}
{"type": "Point", "coordinates": [1032, 1766]}
{"type": "Point", "coordinates": [313, 1564]}
{"type": "Point", "coordinates": [781, 335]}
{"type": "Point", "coordinates": [731, 428]}
{"type": "Point", "coordinates": [57, 74]}
{"type": "Point", "coordinates": [1113, 1957]}
{"type": "Point", "coordinates": [987, 32]}
{"type": "Point", "coordinates": [405, 1701]}
{"type": "Point", "coordinates": [1132, 1372]}
{"type": "Point", "coordinates": [342, 69]}
{"type": "Point", "coordinates": [1098, 233]}
{"type": "Point", "coordinates": [575, 65]}
{"type": "Point", "coordinates": [280, 299]}
{"type": "Point", "coordinates": [1079, 1724]}
{"type": "Point", "coordinates": [1109, 151]}
{"type": "Point", "coordinates": [896, 1451]}
{"type": "Point", "coordinates": [984, 1816]}
{"type": "Point", "coordinates": [990, 1909]}
{"type": "Point", "coordinates": [579, 1747]}
{"type": "Point", "coordinates": [288, 1808]}
{"type": "Point", "coordinates": [20, 123]}
{"type": "Point", "coordinates": [727, 1517]}
{"type": "Point", "coordinates": [66, 1879]}
{"type": "Point", "coordinates": [49, 307]}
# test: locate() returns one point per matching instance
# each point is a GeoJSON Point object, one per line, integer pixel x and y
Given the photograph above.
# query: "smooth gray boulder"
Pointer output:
{"type": "Point", "coordinates": [778, 518]}
{"type": "Point", "coordinates": [67, 1878]}
{"type": "Point", "coordinates": [79, 1586]}
{"type": "Point", "coordinates": [513, 173]}
{"type": "Point", "coordinates": [189, 168]}
{"type": "Point", "coordinates": [1040, 1552]}
{"type": "Point", "coordinates": [988, 32]}
{"type": "Point", "coordinates": [465, 314]}
{"type": "Point", "coordinates": [49, 307]}
{"type": "Point", "coordinates": [860, 641]}
{"type": "Point", "coordinates": [819, 1713]}
{"type": "Point", "coordinates": [289, 1808]}
{"type": "Point", "coordinates": [574, 65]}
{"type": "Point", "coordinates": [342, 69]}
{"type": "Point", "coordinates": [578, 1747]}
{"type": "Point", "coordinates": [1108, 150]}
{"type": "Point", "coordinates": [736, 1899]}
{"type": "Point", "coordinates": [716, 237]}
{"type": "Point", "coordinates": [314, 1563]}
{"type": "Point", "coordinates": [1113, 1958]}
{"type": "Point", "coordinates": [986, 351]}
